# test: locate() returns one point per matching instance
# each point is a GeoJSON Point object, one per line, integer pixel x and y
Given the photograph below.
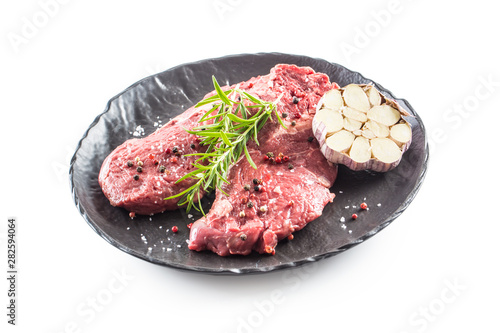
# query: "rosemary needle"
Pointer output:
{"type": "Point", "coordinates": [227, 137]}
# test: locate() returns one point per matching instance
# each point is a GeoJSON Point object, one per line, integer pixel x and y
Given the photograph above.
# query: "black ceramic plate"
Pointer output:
{"type": "Point", "coordinates": [162, 96]}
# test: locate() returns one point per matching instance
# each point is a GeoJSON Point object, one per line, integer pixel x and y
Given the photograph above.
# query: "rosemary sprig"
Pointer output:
{"type": "Point", "coordinates": [227, 137]}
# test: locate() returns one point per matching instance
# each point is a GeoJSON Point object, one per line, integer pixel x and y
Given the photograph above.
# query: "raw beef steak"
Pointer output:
{"type": "Point", "coordinates": [140, 173]}
{"type": "Point", "coordinates": [161, 160]}
{"type": "Point", "coordinates": [269, 203]}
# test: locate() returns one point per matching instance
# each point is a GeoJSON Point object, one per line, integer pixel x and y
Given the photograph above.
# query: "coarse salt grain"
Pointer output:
{"type": "Point", "coordinates": [138, 131]}
{"type": "Point", "coordinates": [342, 219]}
{"type": "Point", "coordinates": [378, 205]}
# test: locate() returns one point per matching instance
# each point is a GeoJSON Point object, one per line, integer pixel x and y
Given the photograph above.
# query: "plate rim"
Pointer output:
{"type": "Point", "coordinates": [253, 270]}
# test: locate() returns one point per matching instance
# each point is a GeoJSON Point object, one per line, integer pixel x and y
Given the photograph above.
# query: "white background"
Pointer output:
{"type": "Point", "coordinates": [435, 269]}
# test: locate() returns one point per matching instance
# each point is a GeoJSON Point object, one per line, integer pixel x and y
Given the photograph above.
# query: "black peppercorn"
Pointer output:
{"type": "Point", "coordinates": [294, 123]}
{"type": "Point", "coordinates": [255, 181]}
{"type": "Point", "coordinates": [130, 163]}
{"type": "Point", "coordinates": [175, 149]}
{"type": "Point", "coordinates": [250, 204]}
{"type": "Point", "coordinates": [243, 237]}
{"type": "Point", "coordinates": [246, 187]}
{"type": "Point", "coordinates": [193, 146]}
{"type": "Point", "coordinates": [162, 168]}
{"type": "Point", "coordinates": [256, 188]}
{"type": "Point", "coordinates": [295, 100]}
{"type": "Point", "coordinates": [310, 139]}
{"type": "Point", "coordinates": [136, 177]}
{"type": "Point", "coordinates": [284, 114]}
{"type": "Point", "coordinates": [139, 169]}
